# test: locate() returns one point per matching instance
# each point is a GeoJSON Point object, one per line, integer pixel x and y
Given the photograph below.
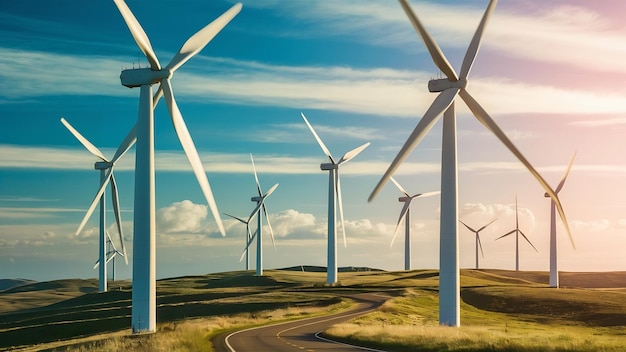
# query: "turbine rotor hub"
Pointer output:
{"type": "Point", "coordinates": [102, 165]}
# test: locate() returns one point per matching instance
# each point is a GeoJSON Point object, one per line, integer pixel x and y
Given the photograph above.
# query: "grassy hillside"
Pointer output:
{"type": "Point", "coordinates": [505, 309]}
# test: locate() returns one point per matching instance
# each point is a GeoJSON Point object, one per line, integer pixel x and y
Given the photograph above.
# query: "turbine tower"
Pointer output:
{"type": "Point", "coordinates": [106, 176]}
{"type": "Point", "coordinates": [144, 248]}
{"type": "Point", "coordinates": [554, 268]}
{"type": "Point", "coordinates": [334, 198]}
{"type": "Point", "coordinates": [260, 206]}
{"type": "Point", "coordinates": [478, 243]}
{"type": "Point", "coordinates": [406, 215]}
{"type": "Point", "coordinates": [248, 238]}
{"type": "Point", "coordinates": [517, 232]}
{"type": "Point", "coordinates": [449, 88]}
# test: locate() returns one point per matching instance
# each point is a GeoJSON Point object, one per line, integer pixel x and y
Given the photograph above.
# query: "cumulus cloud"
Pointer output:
{"type": "Point", "coordinates": [290, 222]}
{"type": "Point", "coordinates": [505, 213]}
{"type": "Point", "coordinates": [182, 217]}
{"type": "Point", "coordinates": [591, 226]}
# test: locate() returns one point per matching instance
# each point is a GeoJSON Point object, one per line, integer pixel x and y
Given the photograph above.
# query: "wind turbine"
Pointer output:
{"type": "Point", "coordinates": [406, 214]}
{"type": "Point", "coordinates": [554, 271]}
{"type": "Point", "coordinates": [478, 243]}
{"type": "Point", "coordinates": [111, 253]}
{"type": "Point", "coordinates": [106, 176]}
{"type": "Point", "coordinates": [517, 232]}
{"type": "Point", "coordinates": [260, 206]}
{"type": "Point", "coordinates": [449, 88]}
{"type": "Point", "coordinates": [144, 251]}
{"type": "Point", "coordinates": [248, 238]}
{"type": "Point", "coordinates": [334, 198]}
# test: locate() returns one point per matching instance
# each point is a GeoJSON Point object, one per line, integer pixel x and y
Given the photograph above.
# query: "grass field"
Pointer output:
{"type": "Point", "coordinates": [501, 310]}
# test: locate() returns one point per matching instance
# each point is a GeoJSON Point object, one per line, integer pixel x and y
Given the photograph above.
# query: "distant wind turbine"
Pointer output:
{"type": "Point", "coordinates": [106, 167]}
{"type": "Point", "coordinates": [144, 237]}
{"type": "Point", "coordinates": [248, 237]}
{"type": "Point", "coordinates": [406, 215]}
{"type": "Point", "coordinates": [112, 252]}
{"type": "Point", "coordinates": [449, 88]}
{"type": "Point", "coordinates": [554, 271]}
{"type": "Point", "coordinates": [517, 232]}
{"type": "Point", "coordinates": [478, 243]}
{"type": "Point", "coordinates": [334, 198]}
{"type": "Point", "coordinates": [260, 207]}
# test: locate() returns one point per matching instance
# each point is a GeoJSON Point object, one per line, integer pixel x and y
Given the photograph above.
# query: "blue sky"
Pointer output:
{"type": "Point", "coordinates": [550, 74]}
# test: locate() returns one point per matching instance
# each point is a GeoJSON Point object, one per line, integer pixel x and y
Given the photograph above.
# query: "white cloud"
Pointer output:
{"type": "Point", "coordinates": [591, 226]}
{"type": "Point", "coordinates": [182, 217]}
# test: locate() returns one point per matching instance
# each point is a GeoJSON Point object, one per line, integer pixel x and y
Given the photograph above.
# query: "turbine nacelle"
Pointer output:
{"type": "Point", "coordinates": [439, 85]}
{"type": "Point", "coordinates": [329, 166]}
{"type": "Point", "coordinates": [256, 199]}
{"type": "Point", "coordinates": [103, 165]}
{"type": "Point", "coordinates": [405, 199]}
{"type": "Point", "coordinates": [137, 77]}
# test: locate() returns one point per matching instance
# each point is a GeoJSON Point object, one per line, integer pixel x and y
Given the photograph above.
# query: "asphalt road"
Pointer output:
{"type": "Point", "coordinates": [299, 335]}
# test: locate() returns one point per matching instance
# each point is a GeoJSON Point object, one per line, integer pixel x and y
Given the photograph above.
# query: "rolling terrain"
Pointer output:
{"type": "Point", "coordinates": [45, 315]}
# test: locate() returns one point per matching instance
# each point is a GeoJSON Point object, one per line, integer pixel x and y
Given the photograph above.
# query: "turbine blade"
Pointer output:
{"type": "Point", "coordinates": [198, 41]}
{"type": "Point", "coordinates": [441, 103]}
{"type": "Point", "coordinates": [267, 219]}
{"type": "Point", "coordinates": [109, 240]}
{"type": "Point", "coordinates": [90, 147]}
{"type": "Point", "coordinates": [527, 240]}
{"type": "Point", "coordinates": [405, 210]}
{"type": "Point", "coordinates": [118, 215]}
{"type": "Point", "coordinates": [489, 223]}
{"type": "Point", "coordinates": [351, 154]}
{"type": "Point", "coordinates": [250, 240]}
{"type": "Point", "coordinates": [398, 186]}
{"type": "Point", "coordinates": [270, 191]}
{"type": "Point", "coordinates": [191, 152]}
{"type": "Point", "coordinates": [139, 34]}
{"type": "Point", "coordinates": [236, 218]}
{"type": "Point", "coordinates": [255, 211]}
{"type": "Point", "coordinates": [488, 122]}
{"type": "Point", "coordinates": [127, 143]}
{"type": "Point", "coordinates": [95, 201]}
{"type": "Point", "coordinates": [97, 264]}
{"type": "Point", "coordinates": [318, 139]}
{"type": "Point", "coordinates": [469, 228]}
{"type": "Point", "coordinates": [256, 178]}
{"type": "Point", "coordinates": [472, 50]}
{"type": "Point", "coordinates": [480, 245]}
{"type": "Point", "coordinates": [340, 203]}
{"type": "Point", "coordinates": [435, 52]}
{"type": "Point", "coordinates": [569, 167]}
{"type": "Point", "coordinates": [506, 234]}
{"type": "Point", "coordinates": [426, 194]}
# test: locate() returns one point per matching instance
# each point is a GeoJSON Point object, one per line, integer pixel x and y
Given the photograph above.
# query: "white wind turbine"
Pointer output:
{"type": "Point", "coordinates": [478, 243]}
{"type": "Point", "coordinates": [517, 232]}
{"type": "Point", "coordinates": [111, 253]}
{"type": "Point", "coordinates": [144, 260]}
{"type": "Point", "coordinates": [449, 88]}
{"type": "Point", "coordinates": [406, 214]}
{"type": "Point", "coordinates": [248, 238]}
{"type": "Point", "coordinates": [554, 270]}
{"type": "Point", "coordinates": [106, 176]}
{"type": "Point", "coordinates": [260, 206]}
{"type": "Point", "coordinates": [334, 197]}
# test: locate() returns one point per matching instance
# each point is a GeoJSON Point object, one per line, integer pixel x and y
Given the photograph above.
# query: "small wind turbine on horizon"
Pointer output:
{"type": "Point", "coordinates": [144, 248]}
{"type": "Point", "coordinates": [478, 243]}
{"type": "Point", "coordinates": [106, 167]}
{"type": "Point", "coordinates": [259, 211]}
{"type": "Point", "coordinates": [405, 214]}
{"type": "Point", "coordinates": [248, 237]}
{"type": "Point", "coordinates": [517, 232]}
{"type": "Point", "coordinates": [334, 198]}
{"type": "Point", "coordinates": [554, 270]}
{"type": "Point", "coordinates": [449, 88]}
{"type": "Point", "coordinates": [111, 253]}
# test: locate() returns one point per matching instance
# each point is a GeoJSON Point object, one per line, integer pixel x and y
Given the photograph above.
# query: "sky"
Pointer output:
{"type": "Point", "coordinates": [551, 74]}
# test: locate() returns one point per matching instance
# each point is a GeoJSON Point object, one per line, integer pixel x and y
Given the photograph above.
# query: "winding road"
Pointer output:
{"type": "Point", "coordinates": [299, 335]}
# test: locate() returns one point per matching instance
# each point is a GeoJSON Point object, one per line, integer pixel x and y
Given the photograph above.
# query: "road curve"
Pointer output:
{"type": "Point", "coordinates": [299, 335]}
